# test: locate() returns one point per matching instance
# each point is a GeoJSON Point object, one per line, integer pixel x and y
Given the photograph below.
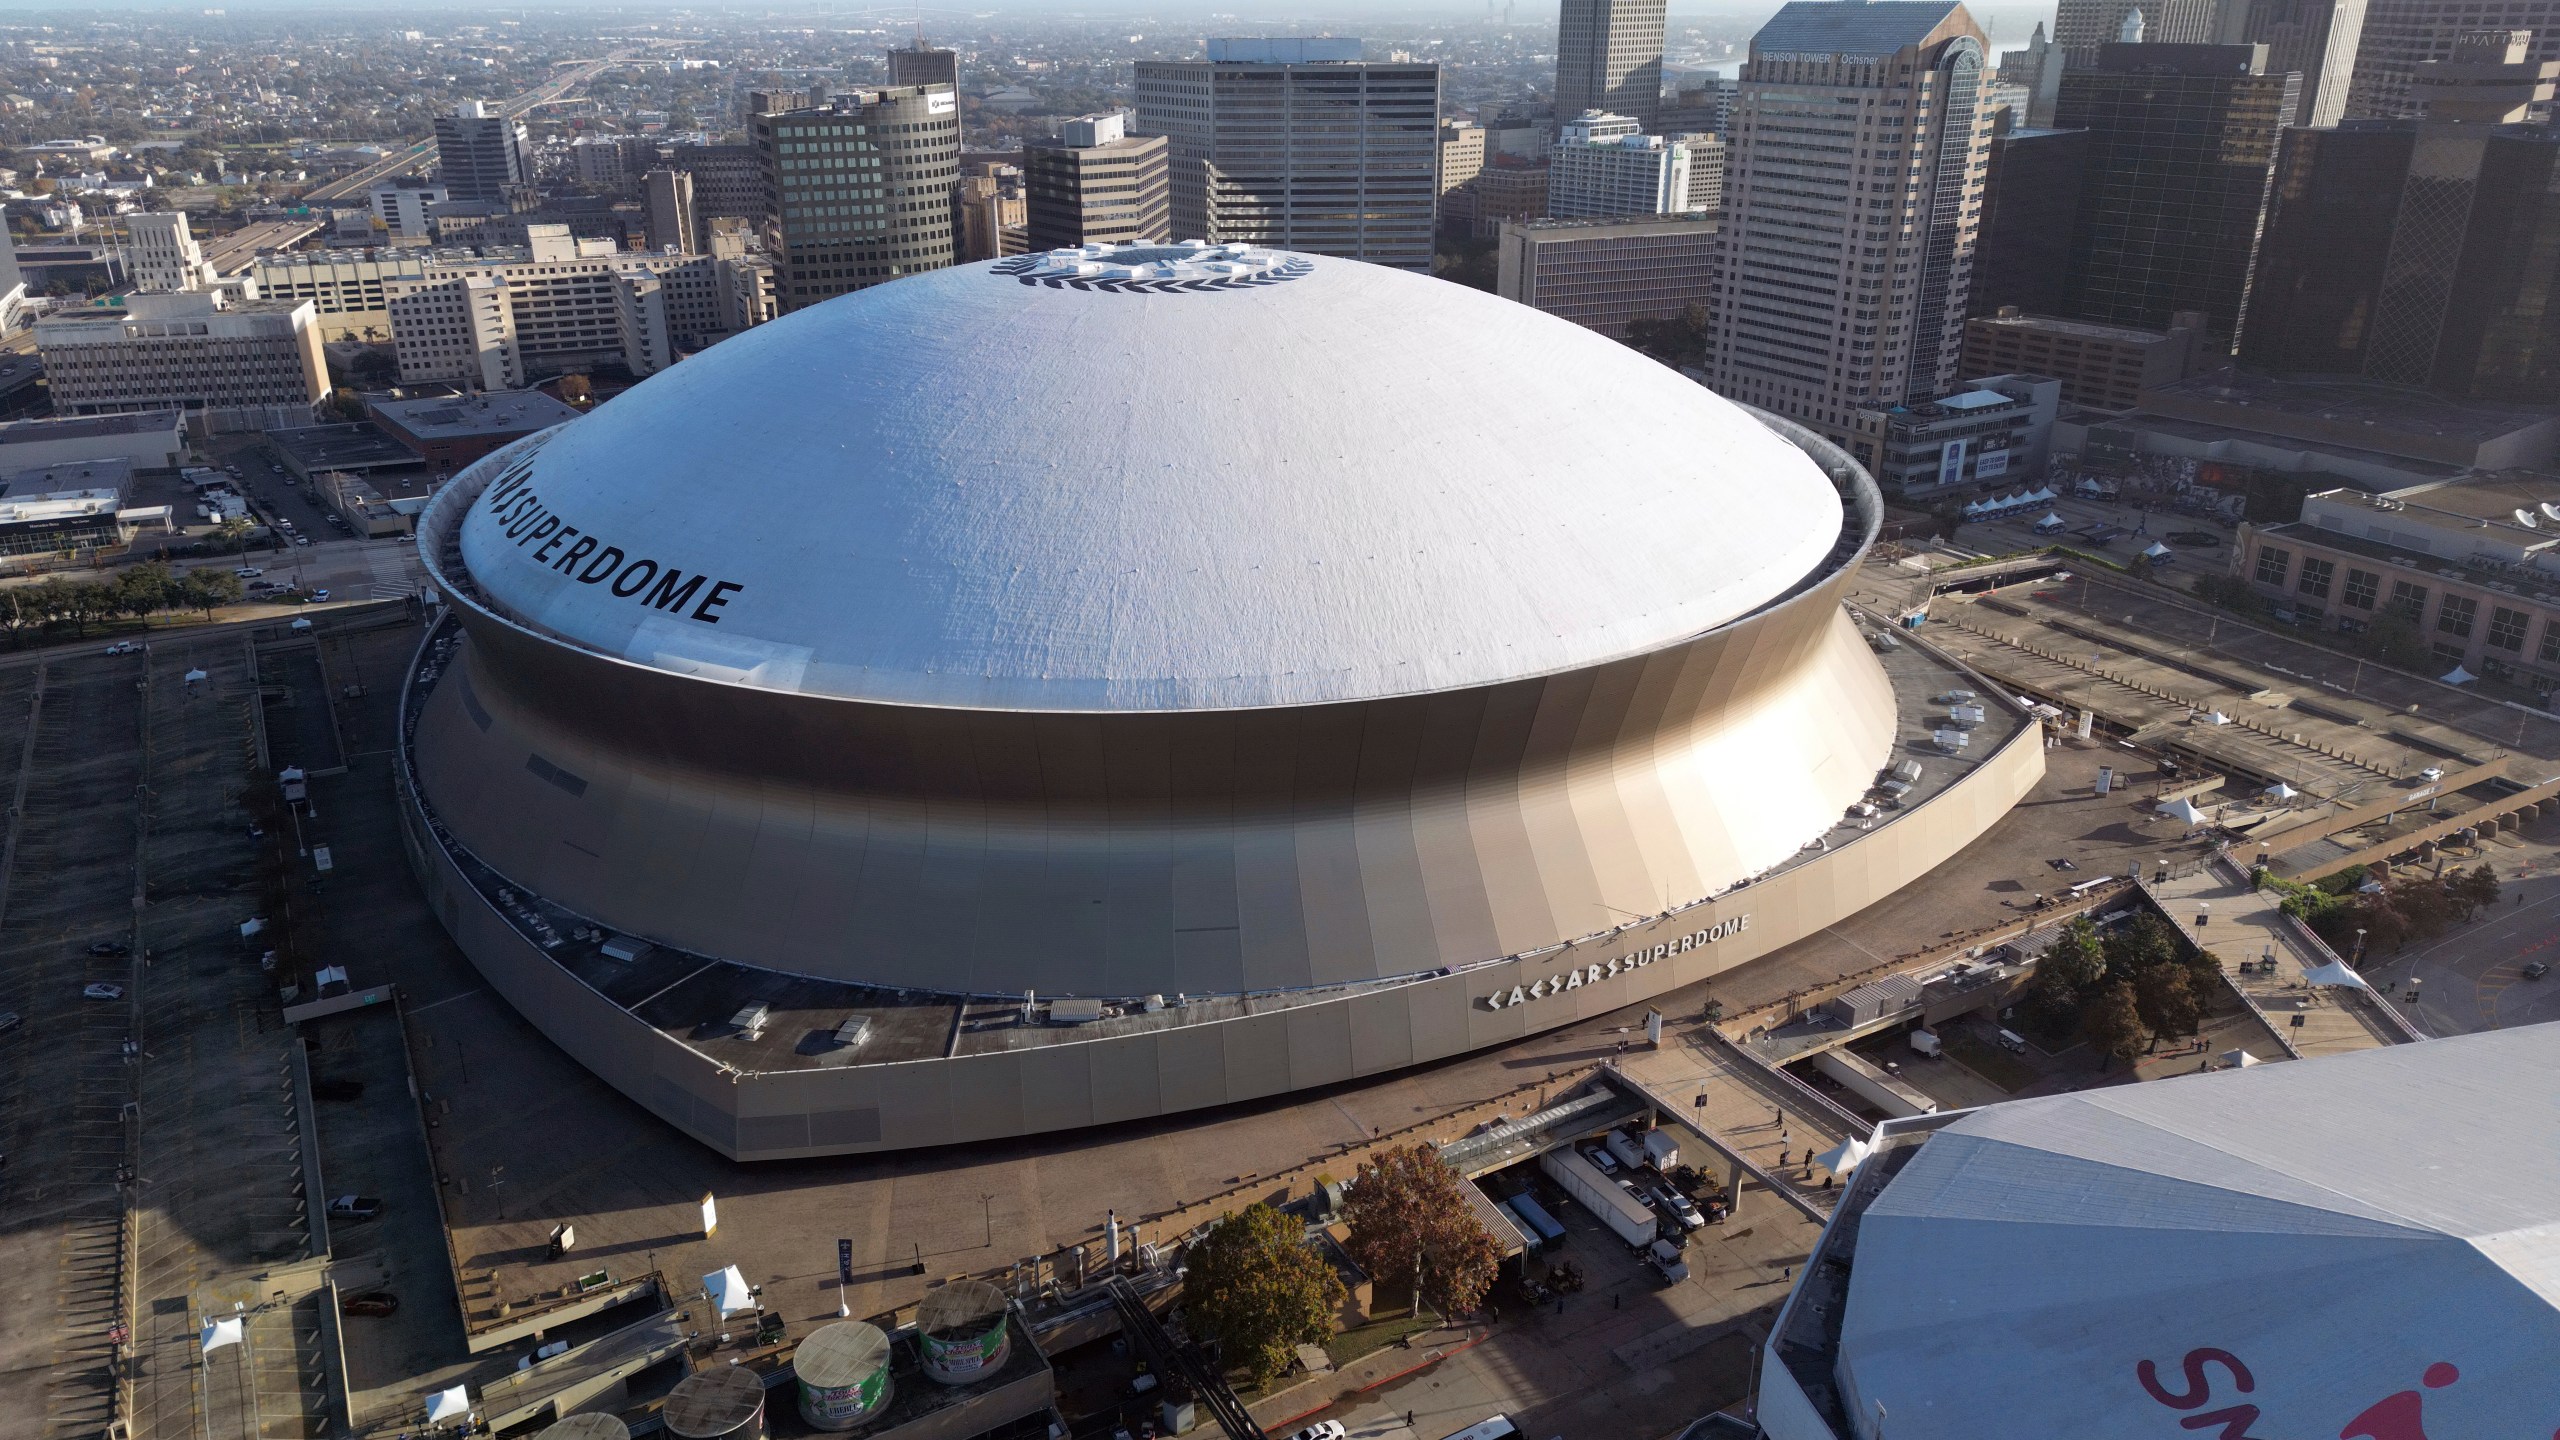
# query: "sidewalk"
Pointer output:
{"type": "Point", "coordinates": [1277, 1410]}
{"type": "Point", "coordinates": [2225, 916]}
{"type": "Point", "coordinates": [1766, 1121]}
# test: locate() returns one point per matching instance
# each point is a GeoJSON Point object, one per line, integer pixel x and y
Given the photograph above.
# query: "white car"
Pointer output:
{"type": "Point", "coordinates": [102, 991]}
{"type": "Point", "coordinates": [1322, 1430]}
{"type": "Point", "coordinates": [1601, 1159]}
{"type": "Point", "coordinates": [124, 647]}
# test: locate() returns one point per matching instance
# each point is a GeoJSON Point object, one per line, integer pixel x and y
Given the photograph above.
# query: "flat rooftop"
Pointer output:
{"type": "Point", "coordinates": [355, 446]}
{"type": "Point", "coordinates": [2056, 325]}
{"type": "Point", "coordinates": [2207, 432]}
{"type": "Point", "coordinates": [457, 417]}
{"type": "Point", "coordinates": [2494, 496]}
{"type": "Point", "coordinates": [2389, 409]}
{"type": "Point", "coordinates": [107, 475]}
{"type": "Point", "coordinates": [86, 427]}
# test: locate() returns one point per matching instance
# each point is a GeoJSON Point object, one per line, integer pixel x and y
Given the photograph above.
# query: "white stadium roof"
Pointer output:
{"type": "Point", "coordinates": [2341, 1244]}
{"type": "Point", "coordinates": [1292, 481]}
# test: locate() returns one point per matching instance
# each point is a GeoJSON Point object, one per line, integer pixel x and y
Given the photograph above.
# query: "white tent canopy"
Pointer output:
{"type": "Point", "coordinates": [2155, 550]}
{"type": "Point", "coordinates": [1844, 1158]}
{"type": "Point", "coordinates": [226, 1331]}
{"type": "Point", "coordinates": [2341, 1227]}
{"type": "Point", "coordinates": [2459, 676]}
{"type": "Point", "coordinates": [728, 1290]}
{"type": "Point", "coordinates": [2279, 791]}
{"type": "Point", "coordinates": [2239, 1060]}
{"type": "Point", "coordinates": [2183, 811]}
{"type": "Point", "coordinates": [444, 1405]}
{"type": "Point", "coordinates": [2335, 973]}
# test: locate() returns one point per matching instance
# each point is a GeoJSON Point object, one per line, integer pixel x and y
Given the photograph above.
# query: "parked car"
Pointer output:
{"type": "Point", "coordinates": [10, 1020]}
{"type": "Point", "coordinates": [1601, 1159]}
{"type": "Point", "coordinates": [355, 1207]}
{"type": "Point", "coordinates": [1682, 1208]}
{"type": "Point", "coordinates": [337, 1089]}
{"type": "Point", "coordinates": [2536, 970]}
{"type": "Point", "coordinates": [320, 594]}
{"type": "Point", "coordinates": [101, 991]}
{"type": "Point", "coordinates": [1637, 1194]}
{"type": "Point", "coordinates": [372, 1304]}
{"type": "Point", "coordinates": [1322, 1430]}
{"type": "Point", "coordinates": [110, 947]}
{"type": "Point", "coordinates": [248, 572]}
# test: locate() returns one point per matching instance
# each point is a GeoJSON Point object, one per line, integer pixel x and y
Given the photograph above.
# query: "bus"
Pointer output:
{"type": "Point", "coordinates": [1497, 1428]}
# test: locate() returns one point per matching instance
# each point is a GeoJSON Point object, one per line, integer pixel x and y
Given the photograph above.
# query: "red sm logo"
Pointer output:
{"type": "Point", "coordinates": [2397, 1416]}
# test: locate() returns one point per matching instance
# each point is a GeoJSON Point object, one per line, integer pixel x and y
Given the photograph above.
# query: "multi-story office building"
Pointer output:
{"type": "Point", "coordinates": [1699, 110]}
{"type": "Point", "coordinates": [1461, 153]}
{"type": "Point", "coordinates": [1299, 144]}
{"type": "Point", "coordinates": [994, 212]}
{"type": "Point", "coordinates": [2100, 367]}
{"type": "Point", "coordinates": [350, 290]}
{"type": "Point", "coordinates": [612, 162]}
{"type": "Point", "coordinates": [2401, 35]}
{"type": "Point", "coordinates": [192, 350]}
{"type": "Point", "coordinates": [2468, 563]}
{"type": "Point", "coordinates": [403, 203]}
{"type": "Point", "coordinates": [922, 64]}
{"type": "Point", "coordinates": [1707, 155]}
{"type": "Point", "coordinates": [2181, 145]}
{"type": "Point", "coordinates": [2422, 253]}
{"type": "Point", "coordinates": [482, 154]}
{"type": "Point", "coordinates": [1609, 57]}
{"type": "Point", "coordinates": [2323, 41]}
{"type": "Point", "coordinates": [1609, 274]}
{"type": "Point", "coordinates": [1999, 428]}
{"type": "Point", "coordinates": [1506, 189]}
{"type": "Point", "coordinates": [1850, 206]}
{"type": "Point", "coordinates": [673, 223]}
{"type": "Point", "coordinates": [1096, 184]}
{"type": "Point", "coordinates": [569, 304]}
{"type": "Point", "coordinates": [2036, 70]}
{"type": "Point", "coordinates": [2030, 202]}
{"type": "Point", "coordinates": [728, 181]}
{"type": "Point", "coordinates": [1603, 166]}
{"type": "Point", "coordinates": [861, 189]}
{"type": "Point", "coordinates": [161, 254]}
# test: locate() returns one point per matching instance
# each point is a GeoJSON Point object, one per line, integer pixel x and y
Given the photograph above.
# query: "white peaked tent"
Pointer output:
{"type": "Point", "coordinates": [2155, 550]}
{"type": "Point", "coordinates": [728, 1290]}
{"type": "Point", "coordinates": [2213, 717]}
{"type": "Point", "coordinates": [444, 1405]}
{"type": "Point", "coordinates": [2239, 1060]}
{"type": "Point", "coordinates": [225, 1331]}
{"type": "Point", "coordinates": [2378, 1229]}
{"type": "Point", "coordinates": [2335, 973]}
{"type": "Point", "coordinates": [2183, 811]}
{"type": "Point", "coordinates": [2458, 676]}
{"type": "Point", "coordinates": [2279, 791]}
{"type": "Point", "coordinates": [1844, 1158]}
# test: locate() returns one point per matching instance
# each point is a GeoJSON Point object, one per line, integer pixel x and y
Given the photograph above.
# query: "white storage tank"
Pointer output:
{"type": "Point", "coordinates": [962, 1329]}
{"type": "Point", "coordinates": [726, 1403]}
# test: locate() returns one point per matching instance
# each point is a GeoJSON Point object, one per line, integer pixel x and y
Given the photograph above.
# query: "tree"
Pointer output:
{"type": "Point", "coordinates": [1410, 1220]}
{"type": "Point", "coordinates": [2393, 639]}
{"type": "Point", "coordinates": [2071, 968]}
{"type": "Point", "coordinates": [1258, 1288]}
{"type": "Point", "coordinates": [2476, 888]}
{"type": "Point", "coordinates": [2139, 946]}
{"type": "Point", "coordinates": [1678, 340]}
{"type": "Point", "coordinates": [2166, 1001]}
{"type": "Point", "coordinates": [2113, 1024]}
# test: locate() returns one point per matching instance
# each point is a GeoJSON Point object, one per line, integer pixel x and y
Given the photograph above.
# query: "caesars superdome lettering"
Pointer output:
{"type": "Point", "coordinates": [1599, 970]}
{"type": "Point", "coordinates": [521, 516]}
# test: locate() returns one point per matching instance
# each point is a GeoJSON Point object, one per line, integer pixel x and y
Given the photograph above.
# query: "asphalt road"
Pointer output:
{"type": "Point", "coordinates": [2473, 979]}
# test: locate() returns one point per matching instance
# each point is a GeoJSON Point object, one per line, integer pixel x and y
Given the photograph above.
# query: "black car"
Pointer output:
{"type": "Point", "coordinates": [2536, 970]}
{"type": "Point", "coordinates": [110, 947]}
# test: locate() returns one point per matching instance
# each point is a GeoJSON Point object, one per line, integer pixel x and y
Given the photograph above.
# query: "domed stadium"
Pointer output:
{"type": "Point", "coordinates": [1111, 682]}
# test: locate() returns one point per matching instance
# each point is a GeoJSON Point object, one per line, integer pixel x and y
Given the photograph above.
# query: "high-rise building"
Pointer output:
{"type": "Point", "coordinates": [1300, 144]}
{"type": "Point", "coordinates": [2182, 142]}
{"type": "Point", "coordinates": [162, 255]}
{"type": "Point", "coordinates": [673, 221]}
{"type": "Point", "coordinates": [2037, 70]}
{"type": "Point", "coordinates": [2422, 253]}
{"type": "Point", "coordinates": [994, 211]}
{"type": "Point", "coordinates": [1095, 184]}
{"type": "Point", "coordinates": [1705, 109]}
{"type": "Point", "coordinates": [728, 180]}
{"type": "Point", "coordinates": [2030, 201]}
{"type": "Point", "coordinates": [1609, 57]}
{"type": "Point", "coordinates": [2401, 35]}
{"type": "Point", "coordinates": [1602, 166]}
{"type": "Point", "coordinates": [481, 154]}
{"type": "Point", "coordinates": [2320, 40]}
{"type": "Point", "coordinates": [1850, 204]}
{"type": "Point", "coordinates": [922, 64]}
{"type": "Point", "coordinates": [861, 189]}
{"type": "Point", "coordinates": [1706, 172]}
{"type": "Point", "coordinates": [1608, 274]}
{"type": "Point", "coordinates": [1461, 153]}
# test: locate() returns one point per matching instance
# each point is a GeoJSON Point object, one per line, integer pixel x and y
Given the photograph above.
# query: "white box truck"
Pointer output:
{"type": "Point", "coordinates": [1926, 1042]}
{"type": "Point", "coordinates": [1601, 1196]}
{"type": "Point", "coordinates": [1652, 1147]}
